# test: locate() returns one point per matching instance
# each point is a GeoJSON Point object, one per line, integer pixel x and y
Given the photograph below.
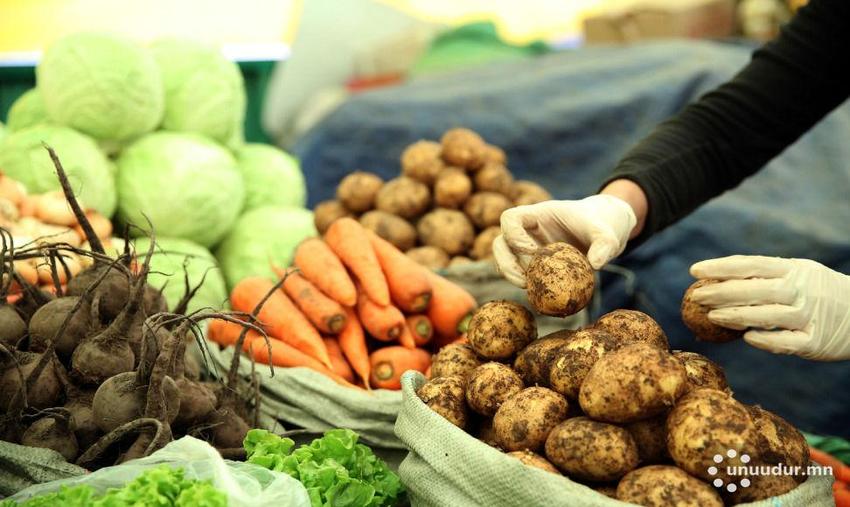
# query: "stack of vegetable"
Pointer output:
{"type": "Point", "coordinates": [444, 208]}
{"type": "Point", "coordinates": [351, 305]}
{"type": "Point", "coordinates": [608, 405]}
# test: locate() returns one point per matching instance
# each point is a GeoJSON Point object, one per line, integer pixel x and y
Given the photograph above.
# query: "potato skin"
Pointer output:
{"type": "Point", "coordinates": [446, 229]}
{"type": "Point", "coordinates": [634, 382]}
{"type": "Point", "coordinates": [590, 450]}
{"type": "Point", "coordinates": [577, 357]}
{"type": "Point", "coordinates": [489, 386]}
{"type": "Point", "coordinates": [429, 256]}
{"type": "Point", "coordinates": [633, 326]}
{"type": "Point", "coordinates": [494, 177]}
{"type": "Point", "coordinates": [445, 396]}
{"type": "Point", "coordinates": [702, 371]}
{"type": "Point", "coordinates": [666, 486]}
{"type": "Point", "coordinates": [326, 212]}
{"type": "Point", "coordinates": [358, 190]}
{"type": "Point", "coordinates": [459, 260]}
{"type": "Point", "coordinates": [560, 280]}
{"type": "Point", "coordinates": [695, 316]}
{"type": "Point", "coordinates": [650, 435]}
{"type": "Point", "coordinates": [421, 161]}
{"type": "Point", "coordinates": [392, 228]}
{"type": "Point", "coordinates": [482, 247]}
{"type": "Point", "coordinates": [500, 329]}
{"type": "Point", "coordinates": [484, 432]}
{"type": "Point", "coordinates": [609, 490]}
{"type": "Point", "coordinates": [452, 188]}
{"type": "Point", "coordinates": [404, 197]}
{"type": "Point", "coordinates": [455, 359]}
{"type": "Point", "coordinates": [534, 362]}
{"type": "Point", "coordinates": [524, 192]}
{"type": "Point", "coordinates": [463, 148]}
{"type": "Point", "coordinates": [485, 208]}
{"type": "Point", "coordinates": [535, 460]}
{"type": "Point", "coordinates": [524, 421]}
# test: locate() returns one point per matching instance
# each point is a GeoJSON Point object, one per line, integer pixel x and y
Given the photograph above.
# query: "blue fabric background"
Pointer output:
{"type": "Point", "coordinates": [565, 119]}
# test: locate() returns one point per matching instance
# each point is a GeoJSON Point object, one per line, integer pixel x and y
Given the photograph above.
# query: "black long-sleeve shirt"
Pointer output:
{"type": "Point", "coordinates": [731, 132]}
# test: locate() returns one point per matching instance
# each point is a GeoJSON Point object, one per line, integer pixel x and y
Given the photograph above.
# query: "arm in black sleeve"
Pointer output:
{"type": "Point", "coordinates": [728, 134]}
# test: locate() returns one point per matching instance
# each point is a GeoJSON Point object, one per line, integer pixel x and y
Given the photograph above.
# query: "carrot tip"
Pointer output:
{"type": "Point", "coordinates": [420, 303]}
{"type": "Point", "coordinates": [383, 371]}
{"type": "Point", "coordinates": [336, 323]}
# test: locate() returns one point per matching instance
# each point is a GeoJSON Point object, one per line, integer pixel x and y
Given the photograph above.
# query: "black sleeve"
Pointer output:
{"type": "Point", "coordinates": [731, 132]}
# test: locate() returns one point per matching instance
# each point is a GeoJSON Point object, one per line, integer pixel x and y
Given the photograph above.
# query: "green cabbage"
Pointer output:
{"type": "Point", "coordinates": [188, 186]}
{"type": "Point", "coordinates": [260, 237]}
{"type": "Point", "coordinates": [26, 111]}
{"type": "Point", "coordinates": [204, 92]}
{"type": "Point", "coordinates": [272, 177]}
{"type": "Point", "coordinates": [23, 158]}
{"type": "Point", "coordinates": [167, 270]}
{"type": "Point", "coordinates": [3, 131]}
{"type": "Point", "coordinates": [104, 85]}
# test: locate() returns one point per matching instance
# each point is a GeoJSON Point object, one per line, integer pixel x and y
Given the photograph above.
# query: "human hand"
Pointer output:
{"type": "Point", "coordinates": [598, 225]}
{"type": "Point", "coordinates": [791, 306]}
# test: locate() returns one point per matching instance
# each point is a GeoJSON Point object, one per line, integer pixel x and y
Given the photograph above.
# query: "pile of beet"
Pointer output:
{"type": "Point", "coordinates": [98, 370]}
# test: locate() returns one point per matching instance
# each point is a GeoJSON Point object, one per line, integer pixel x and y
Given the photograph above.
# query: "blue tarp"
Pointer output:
{"type": "Point", "coordinates": [565, 119]}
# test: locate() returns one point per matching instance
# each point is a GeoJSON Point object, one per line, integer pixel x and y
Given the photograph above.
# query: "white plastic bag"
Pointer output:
{"type": "Point", "coordinates": [246, 485]}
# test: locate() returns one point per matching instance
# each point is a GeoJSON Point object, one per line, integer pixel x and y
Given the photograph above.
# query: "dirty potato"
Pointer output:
{"type": "Point", "coordinates": [577, 357]}
{"type": "Point", "coordinates": [485, 208]}
{"type": "Point", "coordinates": [484, 432]}
{"type": "Point", "coordinates": [634, 382]}
{"type": "Point", "coordinates": [702, 371]}
{"type": "Point", "coordinates": [591, 450]}
{"type": "Point", "coordinates": [326, 212]}
{"type": "Point", "coordinates": [524, 420]}
{"type": "Point", "coordinates": [489, 386]}
{"type": "Point", "coordinates": [482, 247]}
{"type": "Point", "coordinates": [609, 490]}
{"type": "Point", "coordinates": [500, 329]}
{"type": "Point", "coordinates": [633, 326]}
{"type": "Point", "coordinates": [560, 280]}
{"type": "Point", "coordinates": [404, 197]}
{"type": "Point", "coordinates": [452, 188]}
{"type": "Point", "coordinates": [494, 154]}
{"type": "Point", "coordinates": [534, 362]}
{"type": "Point", "coordinates": [431, 257]}
{"type": "Point", "coordinates": [666, 486]}
{"type": "Point", "coordinates": [446, 229]}
{"type": "Point", "coordinates": [358, 190]}
{"type": "Point", "coordinates": [421, 161]}
{"type": "Point", "coordinates": [463, 148]}
{"type": "Point", "coordinates": [459, 260]}
{"type": "Point", "coordinates": [695, 316]}
{"type": "Point", "coordinates": [392, 228]}
{"type": "Point", "coordinates": [535, 460]}
{"type": "Point", "coordinates": [494, 178]}
{"type": "Point", "coordinates": [455, 359]}
{"type": "Point", "coordinates": [525, 192]}
{"type": "Point", "coordinates": [650, 435]}
{"type": "Point", "coordinates": [445, 396]}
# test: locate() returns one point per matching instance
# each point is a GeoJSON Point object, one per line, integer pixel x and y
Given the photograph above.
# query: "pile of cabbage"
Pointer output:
{"type": "Point", "coordinates": [154, 134]}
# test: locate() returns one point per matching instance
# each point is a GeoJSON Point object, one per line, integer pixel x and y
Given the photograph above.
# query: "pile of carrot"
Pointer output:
{"type": "Point", "coordinates": [841, 472]}
{"type": "Point", "coordinates": [353, 307]}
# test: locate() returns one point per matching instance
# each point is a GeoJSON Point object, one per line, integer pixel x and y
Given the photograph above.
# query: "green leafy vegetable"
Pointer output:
{"type": "Point", "coordinates": [272, 177]}
{"type": "Point", "coordinates": [336, 470]}
{"type": "Point", "coordinates": [26, 111]}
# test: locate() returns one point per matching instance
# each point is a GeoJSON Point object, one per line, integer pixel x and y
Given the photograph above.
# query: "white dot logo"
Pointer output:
{"type": "Point", "coordinates": [713, 471]}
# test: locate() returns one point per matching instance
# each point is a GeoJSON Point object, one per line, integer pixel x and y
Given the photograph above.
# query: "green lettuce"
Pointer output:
{"type": "Point", "coordinates": [335, 469]}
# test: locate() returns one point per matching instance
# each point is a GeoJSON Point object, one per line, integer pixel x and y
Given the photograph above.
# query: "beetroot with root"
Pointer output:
{"type": "Point", "coordinates": [47, 320]}
{"type": "Point", "coordinates": [47, 391]}
{"type": "Point", "coordinates": [53, 431]}
{"type": "Point", "coordinates": [197, 402]}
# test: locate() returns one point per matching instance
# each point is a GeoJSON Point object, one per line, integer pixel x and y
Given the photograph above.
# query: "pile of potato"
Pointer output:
{"type": "Point", "coordinates": [608, 405]}
{"type": "Point", "coordinates": [444, 209]}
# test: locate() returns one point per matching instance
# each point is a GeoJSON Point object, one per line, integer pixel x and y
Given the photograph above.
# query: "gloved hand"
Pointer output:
{"type": "Point", "coordinates": [792, 306]}
{"type": "Point", "coordinates": [598, 225]}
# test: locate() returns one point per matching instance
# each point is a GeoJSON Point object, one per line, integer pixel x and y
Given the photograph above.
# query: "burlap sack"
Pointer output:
{"type": "Point", "coordinates": [447, 466]}
{"type": "Point", "coordinates": [22, 467]}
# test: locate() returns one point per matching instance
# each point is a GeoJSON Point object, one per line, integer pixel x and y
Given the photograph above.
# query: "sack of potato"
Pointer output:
{"type": "Point", "coordinates": [604, 411]}
{"type": "Point", "coordinates": [444, 208]}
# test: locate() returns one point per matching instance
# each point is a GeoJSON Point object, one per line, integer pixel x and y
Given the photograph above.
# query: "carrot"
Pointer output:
{"type": "Point", "coordinates": [325, 313]}
{"type": "Point", "coordinates": [226, 333]}
{"type": "Point", "coordinates": [839, 469]}
{"type": "Point", "coordinates": [451, 307]}
{"type": "Point", "coordinates": [407, 280]}
{"type": "Point", "coordinates": [348, 239]}
{"type": "Point", "coordinates": [339, 365]}
{"type": "Point", "coordinates": [384, 323]}
{"type": "Point", "coordinates": [421, 329]}
{"type": "Point", "coordinates": [841, 494]}
{"type": "Point", "coordinates": [389, 363]}
{"type": "Point", "coordinates": [317, 263]}
{"type": "Point", "coordinates": [406, 337]}
{"type": "Point", "coordinates": [287, 356]}
{"type": "Point", "coordinates": [280, 317]}
{"type": "Point", "coordinates": [352, 341]}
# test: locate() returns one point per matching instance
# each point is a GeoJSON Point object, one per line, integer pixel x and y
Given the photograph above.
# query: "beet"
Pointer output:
{"type": "Point", "coordinates": [197, 402]}
{"type": "Point", "coordinates": [49, 387]}
{"type": "Point", "coordinates": [48, 319]}
{"type": "Point", "coordinates": [12, 326]}
{"type": "Point", "coordinates": [228, 429]}
{"type": "Point", "coordinates": [31, 300]}
{"type": "Point", "coordinates": [82, 418]}
{"type": "Point", "coordinates": [53, 431]}
{"type": "Point", "coordinates": [93, 457]}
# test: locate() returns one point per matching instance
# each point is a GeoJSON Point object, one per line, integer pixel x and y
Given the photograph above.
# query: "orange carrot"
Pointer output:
{"type": "Point", "coordinates": [226, 333]}
{"type": "Point", "coordinates": [348, 239]}
{"type": "Point", "coordinates": [320, 265]}
{"type": "Point", "coordinates": [325, 313]}
{"type": "Point", "coordinates": [839, 469]}
{"type": "Point", "coordinates": [389, 363]}
{"type": "Point", "coordinates": [279, 317]}
{"type": "Point", "coordinates": [841, 494]}
{"type": "Point", "coordinates": [352, 341]}
{"type": "Point", "coordinates": [384, 323]}
{"type": "Point", "coordinates": [406, 337]}
{"type": "Point", "coordinates": [285, 355]}
{"type": "Point", "coordinates": [421, 329]}
{"type": "Point", "coordinates": [451, 307]}
{"type": "Point", "coordinates": [407, 280]}
{"type": "Point", "coordinates": [339, 365]}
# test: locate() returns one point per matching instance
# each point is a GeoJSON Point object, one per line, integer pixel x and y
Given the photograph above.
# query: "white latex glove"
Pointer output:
{"type": "Point", "coordinates": [598, 225]}
{"type": "Point", "coordinates": [792, 306]}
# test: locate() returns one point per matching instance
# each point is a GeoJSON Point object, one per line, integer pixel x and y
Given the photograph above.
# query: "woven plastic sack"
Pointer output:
{"type": "Point", "coordinates": [21, 467]}
{"type": "Point", "coordinates": [447, 466]}
{"type": "Point", "coordinates": [246, 485]}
